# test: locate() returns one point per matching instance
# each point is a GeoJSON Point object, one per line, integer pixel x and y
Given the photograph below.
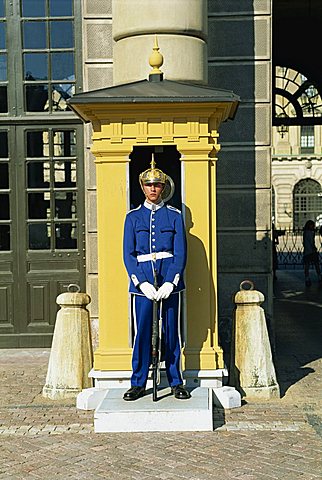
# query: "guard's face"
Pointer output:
{"type": "Point", "coordinates": [153, 191]}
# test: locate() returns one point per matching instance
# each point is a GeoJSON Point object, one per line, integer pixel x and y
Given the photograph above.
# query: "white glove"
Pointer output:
{"type": "Point", "coordinates": [164, 291]}
{"type": "Point", "coordinates": [148, 290]}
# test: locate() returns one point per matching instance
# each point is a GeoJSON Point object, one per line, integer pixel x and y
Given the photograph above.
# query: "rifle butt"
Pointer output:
{"type": "Point", "coordinates": [155, 388]}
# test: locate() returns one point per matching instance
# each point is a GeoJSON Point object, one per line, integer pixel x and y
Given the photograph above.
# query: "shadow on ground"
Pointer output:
{"type": "Point", "coordinates": [298, 322]}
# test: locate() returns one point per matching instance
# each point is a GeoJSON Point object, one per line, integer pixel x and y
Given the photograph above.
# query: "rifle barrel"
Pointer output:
{"type": "Point", "coordinates": [155, 342]}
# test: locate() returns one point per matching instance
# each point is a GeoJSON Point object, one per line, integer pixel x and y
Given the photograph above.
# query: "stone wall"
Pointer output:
{"type": "Point", "coordinates": [239, 54]}
{"type": "Point", "coordinates": [98, 73]}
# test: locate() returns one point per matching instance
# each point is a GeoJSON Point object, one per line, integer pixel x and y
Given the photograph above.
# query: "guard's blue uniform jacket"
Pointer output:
{"type": "Point", "coordinates": [158, 234]}
{"type": "Point", "coordinates": [154, 238]}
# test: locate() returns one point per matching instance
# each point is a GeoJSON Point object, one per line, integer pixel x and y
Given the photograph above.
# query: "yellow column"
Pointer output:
{"type": "Point", "coordinates": [214, 262]}
{"type": "Point", "coordinates": [114, 352]}
{"type": "Point", "coordinates": [202, 351]}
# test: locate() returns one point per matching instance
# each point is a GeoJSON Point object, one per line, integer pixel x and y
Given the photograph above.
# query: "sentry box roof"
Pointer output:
{"type": "Point", "coordinates": [154, 91]}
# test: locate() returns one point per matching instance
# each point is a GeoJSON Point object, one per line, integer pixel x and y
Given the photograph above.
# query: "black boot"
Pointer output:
{"type": "Point", "coordinates": [134, 393]}
{"type": "Point", "coordinates": [180, 392]}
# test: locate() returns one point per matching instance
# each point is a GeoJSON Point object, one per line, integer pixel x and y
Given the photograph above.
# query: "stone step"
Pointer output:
{"type": "Point", "coordinates": [166, 414]}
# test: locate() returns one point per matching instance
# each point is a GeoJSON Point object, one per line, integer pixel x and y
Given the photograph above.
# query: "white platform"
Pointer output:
{"type": "Point", "coordinates": [192, 378]}
{"type": "Point", "coordinates": [166, 414]}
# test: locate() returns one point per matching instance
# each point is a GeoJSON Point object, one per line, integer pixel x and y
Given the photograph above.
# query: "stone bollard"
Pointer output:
{"type": "Point", "coordinates": [71, 356]}
{"type": "Point", "coordinates": [252, 370]}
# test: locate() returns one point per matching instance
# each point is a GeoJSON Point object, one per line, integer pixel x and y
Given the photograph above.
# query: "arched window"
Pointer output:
{"type": "Point", "coordinates": [307, 202]}
{"type": "Point", "coordinates": [297, 99]}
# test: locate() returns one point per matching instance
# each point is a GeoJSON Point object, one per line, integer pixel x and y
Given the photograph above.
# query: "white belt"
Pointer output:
{"type": "Point", "coordinates": [153, 256]}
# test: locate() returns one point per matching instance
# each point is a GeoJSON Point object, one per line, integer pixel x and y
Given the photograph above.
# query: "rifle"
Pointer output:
{"type": "Point", "coordinates": [155, 341]}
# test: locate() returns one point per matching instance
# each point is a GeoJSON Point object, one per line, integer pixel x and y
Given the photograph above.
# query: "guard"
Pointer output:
{"type": "Point", "coordinates": [155, 241]}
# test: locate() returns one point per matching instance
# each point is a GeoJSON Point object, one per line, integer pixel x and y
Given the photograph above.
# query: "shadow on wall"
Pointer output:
{"type": "Point", "coordinates": [200, 289]}
{"type": "Point", "coordinates": [243, 167]}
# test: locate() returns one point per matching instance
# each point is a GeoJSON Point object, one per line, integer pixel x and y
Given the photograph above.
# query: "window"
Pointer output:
{"type": "Point", "coordinates": [295, 96]}
{"type": "Point", "coordinates": [5, 220]}
{"type": "Point", "coordinates": [38, 74]}
{"type": "Point", "coordinates": [42, 248]}
{"type": "Point", "coordinates": [307, 139]}
{"type": "Point", "coordinates": [41, 64]}
{"type": "Point", "coordinates": [48, 47]}
{"type": "Point", "coordinates": [307, 202]}
{"type": "Point", "coordinates": [3, 60]}
{"type": "Point", "coordinates": [51, 189]}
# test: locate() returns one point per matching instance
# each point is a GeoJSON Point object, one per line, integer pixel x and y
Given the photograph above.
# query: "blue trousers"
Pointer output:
{"type": "Point", "coordinates": [141, 358]}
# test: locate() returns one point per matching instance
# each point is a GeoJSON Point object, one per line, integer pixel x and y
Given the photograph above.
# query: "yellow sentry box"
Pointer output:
{"type": "Point", "coordinates": [157, 112]}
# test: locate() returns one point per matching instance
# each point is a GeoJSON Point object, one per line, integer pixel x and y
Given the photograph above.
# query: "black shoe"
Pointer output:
{"type": "Point", "coordinates": [180, 392]}
{"type": "Point", "coordinates": [134, 393]}
{"type": "Point", "coordinates": [308, 283]}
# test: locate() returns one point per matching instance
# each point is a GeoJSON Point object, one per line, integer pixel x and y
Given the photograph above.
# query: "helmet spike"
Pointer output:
{"type": "Point", "coordinates": [153, 164]}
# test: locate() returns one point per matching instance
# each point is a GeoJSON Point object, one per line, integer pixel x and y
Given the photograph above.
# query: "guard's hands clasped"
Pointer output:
{"type": "Point", "coordinates": [152, 294]}
{"type": "Point", "coordinates": [164, 291]}
{"type": "Point", "coordinates": [148, 290]}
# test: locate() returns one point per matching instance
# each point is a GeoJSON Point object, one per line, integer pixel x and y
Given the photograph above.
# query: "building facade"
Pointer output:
{"type": "Point", "coordinates": [48, 184]}
{"type": "Point", "coordinates": [297, 178]}
{"type": "Point", "coordinates": [297, 152]}
{"type": "Point", "coordinates": [50, 49]}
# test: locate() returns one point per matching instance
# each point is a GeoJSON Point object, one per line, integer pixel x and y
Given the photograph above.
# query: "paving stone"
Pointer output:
{"type": "Point", "coordinates": [282, 439]}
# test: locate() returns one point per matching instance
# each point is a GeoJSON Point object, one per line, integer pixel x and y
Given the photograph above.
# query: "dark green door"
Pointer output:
{"type": "Point", "coordinates": [41, 166]}
{"type": "Point", "coordinates": [8, 266]}
{"type": "Point", "coordinates": [41, 229]}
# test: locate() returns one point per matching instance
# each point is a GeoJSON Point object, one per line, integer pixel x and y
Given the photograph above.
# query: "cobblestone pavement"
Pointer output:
{"type": "Point", "coordinates": [282, 439]}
